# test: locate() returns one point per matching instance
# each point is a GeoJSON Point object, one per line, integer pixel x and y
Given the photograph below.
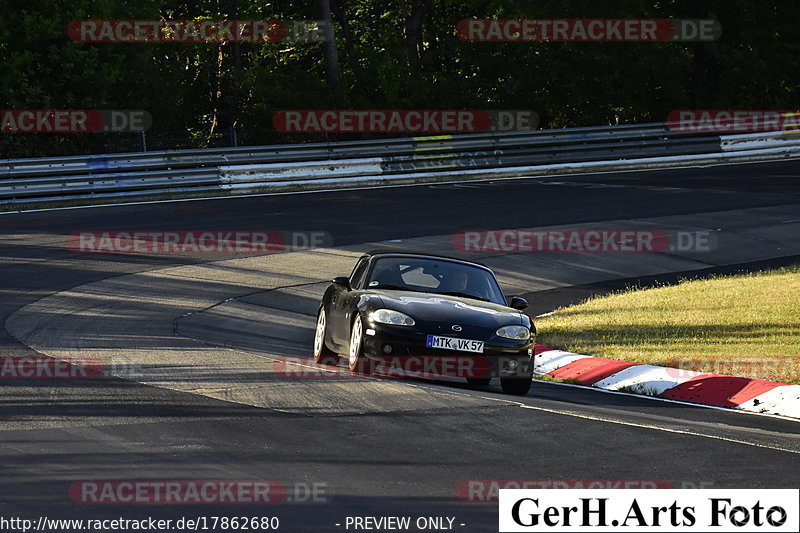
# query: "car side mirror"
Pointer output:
{"type": "Point", "coordinates": [518, 303]}
{"type": "Point", "coordinates": [344, 281]}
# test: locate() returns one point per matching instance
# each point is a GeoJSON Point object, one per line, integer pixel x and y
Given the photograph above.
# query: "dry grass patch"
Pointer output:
{"type": "Point", "coordinates": [744, 325]}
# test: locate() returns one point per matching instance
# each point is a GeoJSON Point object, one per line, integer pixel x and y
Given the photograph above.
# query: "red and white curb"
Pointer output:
{"type": "Point", "coordinates": [754, 395]}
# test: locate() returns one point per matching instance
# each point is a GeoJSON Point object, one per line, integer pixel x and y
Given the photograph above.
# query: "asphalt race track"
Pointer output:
{"type": "Point", "coordinates": [373, 447]}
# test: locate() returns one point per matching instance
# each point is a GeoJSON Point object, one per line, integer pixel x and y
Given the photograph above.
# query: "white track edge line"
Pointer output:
{"type": "Point", "coordinates": [669, 400]}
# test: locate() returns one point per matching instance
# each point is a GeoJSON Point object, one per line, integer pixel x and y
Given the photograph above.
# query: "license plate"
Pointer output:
{"type": "Point", "coordinates": [451, 343]}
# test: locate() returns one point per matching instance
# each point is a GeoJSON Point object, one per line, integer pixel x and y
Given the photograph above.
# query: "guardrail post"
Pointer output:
{"type": "Point", "coordinates": [143, 140]}
{"type": "Point", "coordinates": [234, 137]}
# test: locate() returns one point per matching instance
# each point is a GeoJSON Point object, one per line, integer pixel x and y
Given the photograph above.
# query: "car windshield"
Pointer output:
{"type": "Point", "coordinates": [434, 276]}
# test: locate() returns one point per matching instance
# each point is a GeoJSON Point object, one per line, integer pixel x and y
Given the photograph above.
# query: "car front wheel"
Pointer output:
{"type": "Point", "coordinates": [322, 354]}
{"type": "Point", "coordinates": [355, 358]}
{"type": "Point", "coordinates": [515, 386]}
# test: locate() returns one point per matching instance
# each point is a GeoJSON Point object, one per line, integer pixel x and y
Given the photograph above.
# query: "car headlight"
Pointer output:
{"type": "Point", "coordinates": [393, 318]}
{"type": "Point", "coordinates": [517, 333]}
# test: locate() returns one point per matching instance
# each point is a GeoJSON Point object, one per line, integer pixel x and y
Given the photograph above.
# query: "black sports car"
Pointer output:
{"type": "Point", "coordinates": [429, 314]}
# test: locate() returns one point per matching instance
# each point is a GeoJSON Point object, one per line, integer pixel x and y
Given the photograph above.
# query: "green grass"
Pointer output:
{"type": "Point", "coordinates": [744, 325]}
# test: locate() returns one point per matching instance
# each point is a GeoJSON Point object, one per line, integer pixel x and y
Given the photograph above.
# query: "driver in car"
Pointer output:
{"type": "Point", "coordinates": [458, 282]}
{"type": "Point", "coordinates": [461, 282]}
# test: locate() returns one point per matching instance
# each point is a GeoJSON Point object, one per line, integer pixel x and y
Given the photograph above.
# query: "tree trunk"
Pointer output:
{"type": "Point", "coordinates": [332, 68]}
{"type": "Point", "coordinates": [414, 19]}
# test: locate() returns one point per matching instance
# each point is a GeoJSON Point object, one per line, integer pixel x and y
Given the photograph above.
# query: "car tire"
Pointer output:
{"type": "Point", "coordinates": [516, 386]}
{"type": "Point", "coordinates": [356, 360]}
{"type": "Point", "coordinates": [322, 354]}
{"type": "Point", "coordinates": [479, 382]}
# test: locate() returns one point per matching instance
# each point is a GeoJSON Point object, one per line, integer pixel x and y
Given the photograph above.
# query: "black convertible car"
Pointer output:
{"type": "Point", "coordinates": [422, 313]}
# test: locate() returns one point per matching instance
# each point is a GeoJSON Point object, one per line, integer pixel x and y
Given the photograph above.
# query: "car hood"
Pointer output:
{"type": "Point", "coordinates": [451, 309]}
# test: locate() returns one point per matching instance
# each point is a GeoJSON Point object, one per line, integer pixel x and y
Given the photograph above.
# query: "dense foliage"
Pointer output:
{"type": "Point", "coordinates": [393, 54]}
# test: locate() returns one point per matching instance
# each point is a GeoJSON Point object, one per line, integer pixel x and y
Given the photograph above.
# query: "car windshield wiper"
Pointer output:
{"type": "Point", "coordinates": [391, 287]}
{"type": "Point", "coordinates": [465, 295]}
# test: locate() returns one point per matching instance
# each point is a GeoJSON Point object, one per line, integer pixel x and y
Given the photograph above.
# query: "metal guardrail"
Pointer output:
{"type": "Point", "coordinates": [296, 152]}
{"type": "Point", "coordinates": [37, 181]}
